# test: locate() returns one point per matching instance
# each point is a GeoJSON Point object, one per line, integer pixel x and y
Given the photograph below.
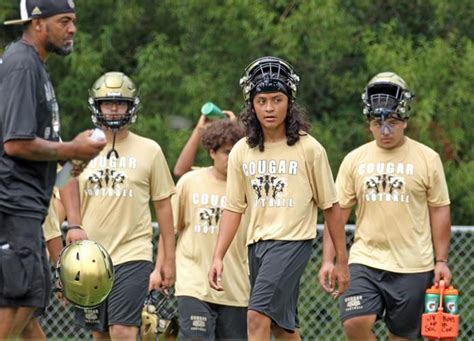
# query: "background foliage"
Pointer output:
{"type": "Point", "coordinates": [183, 53]}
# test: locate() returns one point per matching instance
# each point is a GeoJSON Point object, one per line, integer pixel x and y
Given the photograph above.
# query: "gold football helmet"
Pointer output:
{"type": "Point", "coordinates": [159, 317]}
{"type": "Point", "coordinates": [109, 87]}
{"type": "Point", "coordinates": [86, 273]}
{"type": "Point", "coordinates": [386, 93]}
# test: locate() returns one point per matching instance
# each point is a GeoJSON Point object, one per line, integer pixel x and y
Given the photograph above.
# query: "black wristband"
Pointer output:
{"type": "Point", "coordinates": [74, 227]}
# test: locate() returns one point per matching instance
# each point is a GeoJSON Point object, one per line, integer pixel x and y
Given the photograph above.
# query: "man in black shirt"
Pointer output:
{"type": "Point", "coordinates": [29, 151]}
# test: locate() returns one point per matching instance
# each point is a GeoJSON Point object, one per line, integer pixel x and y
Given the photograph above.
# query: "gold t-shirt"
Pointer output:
{"type": "Point", "coordinates": [280, 189]}
{"type": "Point", "coordinates": [393, 190]}
{"type": "Point", "coordinates": [116, 195]}
{"type": "Point", "coordinates": [51, 224]}
{"type": "Point", "coordinates": [197, 208]}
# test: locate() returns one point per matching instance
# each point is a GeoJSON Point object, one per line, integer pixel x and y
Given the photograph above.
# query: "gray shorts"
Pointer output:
{"type": "Point", "coordinates": [276, 268]}
{"type": "Point", "coordinates": [124, 304]}
{"type": "Point", "coordinates": [199, 320]}
{"type": "Point", "coordinates": [25, 274]}
{"type": "Point", "coordinates": [397, 298]}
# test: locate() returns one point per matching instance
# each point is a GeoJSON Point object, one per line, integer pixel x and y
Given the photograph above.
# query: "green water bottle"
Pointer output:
{"type": "Point", "coordinates": [210, 110]}
{"type": "Point", "coordinates": [432, 299]}
{"type": "Point", "coordinates": [451, 301]}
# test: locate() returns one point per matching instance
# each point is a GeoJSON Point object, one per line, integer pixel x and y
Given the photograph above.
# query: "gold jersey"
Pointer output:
{"type": "Point", "coordinates": [197, 208]}
{"type": "Point", "coordinates": [116, 194]}
{"type": "Point", "coordinates": [393, 190]}
{"type": "Point", "coordinates": [280, 189]}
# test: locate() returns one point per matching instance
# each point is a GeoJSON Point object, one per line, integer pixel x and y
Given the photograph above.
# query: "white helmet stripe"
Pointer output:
{"type": "Point", "coordinates": [23, 10]}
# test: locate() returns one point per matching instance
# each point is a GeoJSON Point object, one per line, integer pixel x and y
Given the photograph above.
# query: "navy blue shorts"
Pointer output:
{"type": "Point", "coordinates": [124, 304]}
{"type": "Point", "coordinates": [25, 274]}
{"type": "Point", "coordinates": [276, 268]}
{"type": "Point", "coordinates": [398, 298]}
{"type": "Point", "coordinates": [199, 320]}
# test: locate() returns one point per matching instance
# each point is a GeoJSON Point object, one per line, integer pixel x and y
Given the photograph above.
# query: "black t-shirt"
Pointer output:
{"type": "Point", "coordinates": [28, 109]}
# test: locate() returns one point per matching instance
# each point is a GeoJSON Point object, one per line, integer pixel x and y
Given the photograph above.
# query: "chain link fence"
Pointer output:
{"type": "Point", "coordinates": [318, 312]}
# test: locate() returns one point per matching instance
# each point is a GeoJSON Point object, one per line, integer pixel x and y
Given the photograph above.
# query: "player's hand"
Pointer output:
{"type": "Point", "coordinates": [155, 280]}
{"type": "Point", "coordinates": [168, 274]}
{"type": "Point", "coordinates": [341, 277]}
{"type": "Point", "coordinates": [215, 274]}
{"type": "Point", "coordinates": [325, 274]}
{"type": "Point", "coordinates": [202, 123]}
{"type": "Point", "coordinates": [230, 115]}
{"type": "Point", "coordinates": [441, 271]}
{"type": "Point", "coordinates": [78, 167]}
{"type": "Point", "coordinates": [85, 148]}
{"type": "Point", "coordinates": [74, 235]}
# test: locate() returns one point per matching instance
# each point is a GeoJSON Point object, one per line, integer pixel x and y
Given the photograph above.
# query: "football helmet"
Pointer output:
{"type": "Point", "coordinates": [159, 316]}
{"type": "Point", "coordinates": [114, 86]}
{"type": "Point", "coordinates": [86, 273]}
{"type": "Point", "coordinates": [269, 74]}
{"type": "Point", "coordinates": [385, 94]}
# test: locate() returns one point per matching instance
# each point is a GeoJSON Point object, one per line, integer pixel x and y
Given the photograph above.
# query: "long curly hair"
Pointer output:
{"type": "Point", "coordinates": [296, 125]}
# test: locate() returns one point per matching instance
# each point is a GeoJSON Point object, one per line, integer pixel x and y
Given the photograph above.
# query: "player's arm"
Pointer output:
{"type": "Point", "coordinates": [335, 221]}
{"type": "Point", "coordinates": [164, 273]}
{"type": "Point", "coordinates": [71, 201]}
{"type": "Point", "coordinates": [334, 234]}
{"type": "Point", "coordinates": [228, 226]}
{"type": "Point", "coordinates": [38, 149]}
{"type": "Point", "coordinates": [440, 220]}
{"type": "Point", "coordinates": [54, 246]}
{"type": "Point", "coordinates": [186, 157]}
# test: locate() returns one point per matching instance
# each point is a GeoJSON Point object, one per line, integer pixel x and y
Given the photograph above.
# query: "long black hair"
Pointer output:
{"type": "Point", "coordinates": [296, 125]}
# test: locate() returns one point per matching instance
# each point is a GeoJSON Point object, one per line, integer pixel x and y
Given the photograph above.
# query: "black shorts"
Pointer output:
{"type": "Point", "coordinates": [124, 304]}
{"type": "Point", "coordinates": [25, 275]}
{"type": "Point", "coordinates": [398, 298]}
{"type": "Point", "coordinates": [199, 320]}
{"type": "Point", "coordinates": [276, 268]}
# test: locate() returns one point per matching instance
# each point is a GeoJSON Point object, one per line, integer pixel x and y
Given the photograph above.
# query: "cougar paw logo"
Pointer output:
{"type": "Point", "coordinates": [210, 215]}
{"type": "Point", "coordinates": [268, 186]}
{"type": "Point", "coordinates": [384, 184]}
{"type": "Point", "coordinates": [107, 178]}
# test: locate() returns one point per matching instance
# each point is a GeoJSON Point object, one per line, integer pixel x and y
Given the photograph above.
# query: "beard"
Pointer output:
{"type": "Point", "coordinates": [59, 50]}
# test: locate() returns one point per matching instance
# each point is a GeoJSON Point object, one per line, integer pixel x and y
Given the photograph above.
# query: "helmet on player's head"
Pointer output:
{"type": "Point", "coordinates": [386, 94]}
{"type": "Point", "coordinates": [159, 316]}
{"type": "Point", "coordinates": [86, 273]}
{"type": "Point", "coordinates": [114, 86]}
{"type": "Point", "coordinates": [269, 74]}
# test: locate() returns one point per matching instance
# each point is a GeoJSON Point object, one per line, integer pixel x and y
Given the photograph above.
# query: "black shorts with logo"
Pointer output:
{"type": "Point", "coordinates": [276, 267]}
{"type": "Point", "coordinates": [200, 320]}
{"type": "Point", "coordinates": [25, 275]}
{"type": "Point", "coordinates": [124, 304]}
{"type": "Point", "coordinates": [398, 298]}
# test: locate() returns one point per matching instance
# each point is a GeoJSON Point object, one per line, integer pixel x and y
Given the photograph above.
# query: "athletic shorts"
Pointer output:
{"type": "Point", "coordinates": [124, 304]}
{"type": "Point", "coordinates": [199, 320]}
{"type": "Point", "coordinates": [25, 275]}
{"type": "Point", "coordinates": [398, 298]}
{"type": "Point", "coordinates": [276, 268]}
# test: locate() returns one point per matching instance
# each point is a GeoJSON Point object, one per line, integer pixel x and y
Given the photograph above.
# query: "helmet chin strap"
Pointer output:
{"type": "Point", "coordinates": [113, 150]}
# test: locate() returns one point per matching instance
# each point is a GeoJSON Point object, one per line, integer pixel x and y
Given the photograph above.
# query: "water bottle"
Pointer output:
{"type": "Point", "coordinates": [432, 299]}
{"type": "Point", "coordinates": [210, 110]}
{"type": "Point", "coordinates": [451, 301]}
{"type": "Point", "coordinates": [65, 174]}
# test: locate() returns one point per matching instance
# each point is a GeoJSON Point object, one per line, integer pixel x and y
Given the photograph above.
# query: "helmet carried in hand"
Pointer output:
{"type": "Point", "coordinates": [86, 273]}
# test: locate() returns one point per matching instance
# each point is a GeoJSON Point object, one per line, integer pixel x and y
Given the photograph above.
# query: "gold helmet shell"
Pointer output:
{"type": "Point", "coordinates": [149, 326]}
{"type": "Point", "coordinates": [386, 93]}
{"type": "Point", "coordinates": [114, 86]}
{"type": "Point", "coordinates": [86, 273]}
